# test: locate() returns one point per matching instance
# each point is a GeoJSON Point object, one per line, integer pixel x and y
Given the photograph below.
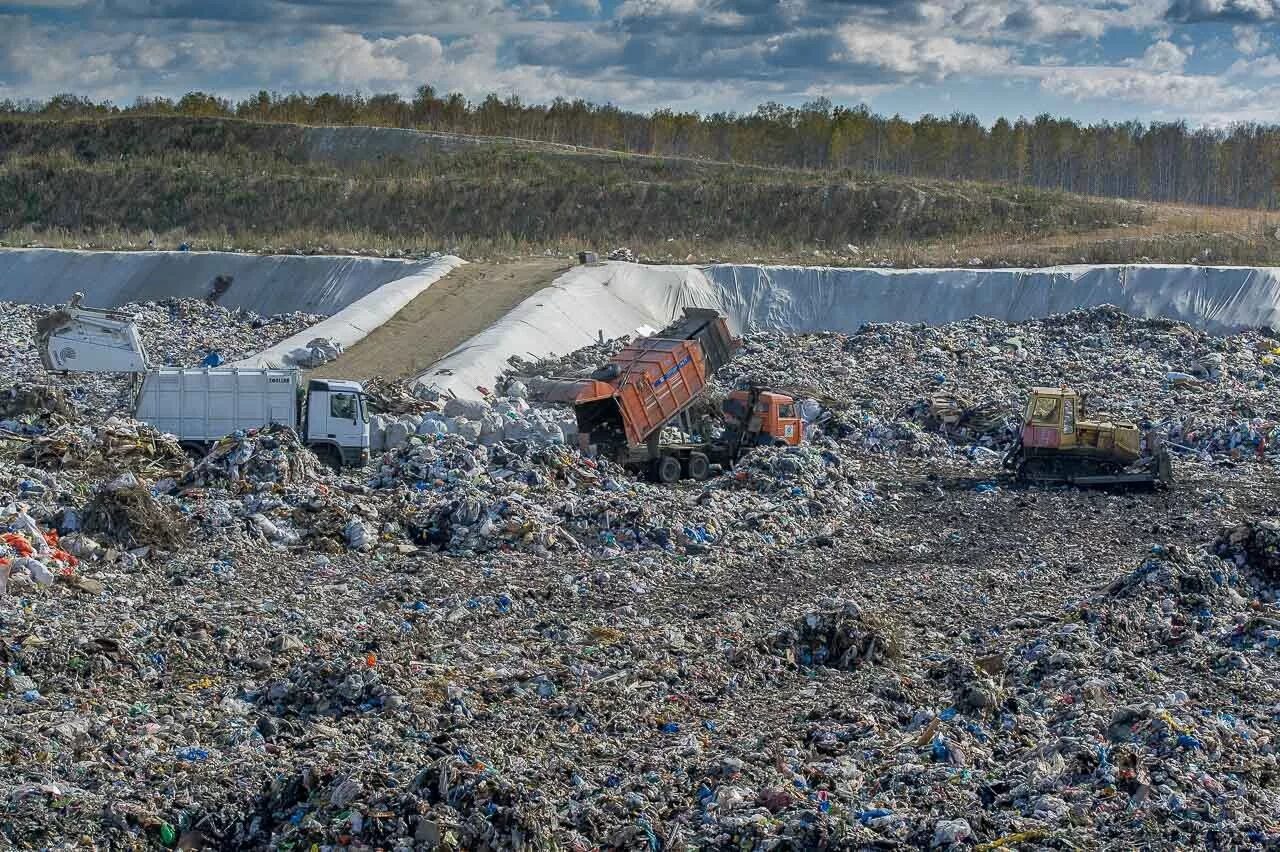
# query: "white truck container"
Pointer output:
{"type": "Point", "coordinates": [200, 406]}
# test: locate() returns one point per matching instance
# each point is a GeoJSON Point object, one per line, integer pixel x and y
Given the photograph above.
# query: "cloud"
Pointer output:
{"type": "Point", "coordinates": [1263, 66]}
{"type": "Point", "coordinates": [1163, 56]}
{"type": "Point", "coordinates": [909, 55]}
{"type": "Point", "coordinates": [1187, 93]}
{"type": "Point", "coordinates": [905, 57]}
{"type": "Point", "coordinates": [1200, 11]}
{"type": "Point", "coordinates": [1044, 21]}
{"type": "Point", "coordinates": [1248, 40]}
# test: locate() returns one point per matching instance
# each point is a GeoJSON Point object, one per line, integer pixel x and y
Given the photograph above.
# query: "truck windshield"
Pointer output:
{"type": "Point", "coordinates": [787, 411]}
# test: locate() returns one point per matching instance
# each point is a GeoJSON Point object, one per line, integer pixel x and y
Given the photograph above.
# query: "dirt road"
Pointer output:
{"type": "Point", "coordinates": [462, 304]}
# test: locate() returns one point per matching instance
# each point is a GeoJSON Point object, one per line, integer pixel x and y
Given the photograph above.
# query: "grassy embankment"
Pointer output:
{"type": "Point", "coordinates": [219, 184]}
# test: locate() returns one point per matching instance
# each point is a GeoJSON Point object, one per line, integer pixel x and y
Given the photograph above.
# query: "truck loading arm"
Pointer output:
{"type": "Point", "coordinates": [75, 339]}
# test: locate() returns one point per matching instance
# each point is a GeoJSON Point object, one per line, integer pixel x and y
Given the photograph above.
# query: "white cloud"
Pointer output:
{"type": "Point", "coordinates": [907, 56]}
{"type": "Point", "coordinates": [1263, 66]}
{"type": "Point", "coordinates": [1188, 93]}
{"type": "Point", "coordinates": [1163, 56]}
{"type": "Point", "coordinates": [1248, 39]}
{"type": "Point", "coordinates": [1197, 11]}
{"type": "Point", "coordinates": [152, 53]}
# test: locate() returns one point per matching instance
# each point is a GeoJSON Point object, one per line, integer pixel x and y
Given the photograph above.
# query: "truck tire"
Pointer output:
{"type": "Point", "coordinates": [698, 467]}
{"type": "Point", "coordinates": [194, 452]}
{"type": "Point", "coordinates": [329, 455]}
{"type": "Point", "coordinates": [667, 470]}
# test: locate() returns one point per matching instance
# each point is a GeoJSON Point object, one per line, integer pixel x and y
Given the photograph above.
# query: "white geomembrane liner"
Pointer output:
{"type": "Point", "coordinates": [359, 319]}
{"type": "Point", "coordinates": [357, 293]}
{"type": "Point", "coordinates": [617, 298]}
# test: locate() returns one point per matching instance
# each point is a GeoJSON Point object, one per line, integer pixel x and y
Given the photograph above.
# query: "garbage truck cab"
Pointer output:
{"type": "Point", "coordinates": [336, 420]}
{"type": "Point", "coordinates": [764, 416]}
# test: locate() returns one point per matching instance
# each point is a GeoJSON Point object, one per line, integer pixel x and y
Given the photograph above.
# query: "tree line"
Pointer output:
{"type": "Point", "coordinates": [1164, 161]}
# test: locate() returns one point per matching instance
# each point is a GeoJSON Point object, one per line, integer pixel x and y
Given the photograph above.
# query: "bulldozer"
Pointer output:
{"type": "Point", "coordinates": [1058, 445]}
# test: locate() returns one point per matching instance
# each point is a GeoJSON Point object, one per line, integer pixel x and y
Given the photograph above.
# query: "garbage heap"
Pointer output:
{"type": "Point", "coordinates": [1254, 547]}
{"type": "Point", "coordinates": [119, 444]}
{"type": "Point", "coordinates": [126, 512]}
{"type": "Point", "coordinates": [1212, 398]}
{"type": "Point", "coordinates": [503, 644]}
{"type": "Point", "coordinates": [577, 364]}
{"type": "Point", "coordinates": [273, 454]}
{"type": "Point", "coordinates": [462, 497]}
{"type": "Point", "coordinates": [33, 409]}
{"type": "Point", "coordinates": [484, 421]}
{"type": "Point", "coordinates": [30, 550]}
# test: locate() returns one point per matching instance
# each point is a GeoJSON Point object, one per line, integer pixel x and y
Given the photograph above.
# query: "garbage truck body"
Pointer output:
{"type": "Point", "coordinates": [1057, 444]}
{"type": "Point", "coordinates": [653, 383]}
{"type": "Point", "coordinates": [201, 405]}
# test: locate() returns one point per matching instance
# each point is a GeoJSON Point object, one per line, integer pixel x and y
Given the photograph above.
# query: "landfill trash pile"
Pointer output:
{"type": "Point", "coordinates": [273, 454]}
{"type": "Point", "coordinates": [484, 639]}
{"type": "Point", "coordinates": [174, 332]}
{"type": "Point", "coordinates": [574, 365]}
{"type": "Point", "coordinates": [126, 512]}
{"type": "Point", "coordinates": [1254, 546]}
{"type": "Point", "coordinates": [464, 497]}
{"type": "Point", "coordinates": [1211, 398]}
{"type": "Point", "coordinates": [483, 421]}
{"type": "Point", "coordinates": [118, 444]}
{"type": "Point", "coordinates": [27, 549]}
{"type": "Point", "coordinates": [33, 409]}
{"type": "Point", "coordinates": [840, 636]}
{"type": "Point", "coordinates": [400, 396]}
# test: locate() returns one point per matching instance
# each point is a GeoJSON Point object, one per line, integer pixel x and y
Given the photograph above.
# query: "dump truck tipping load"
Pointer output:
{"type": "Point", "coordinates": [644, 387]}
{"type": "Point", "coordinates": [624, 406]}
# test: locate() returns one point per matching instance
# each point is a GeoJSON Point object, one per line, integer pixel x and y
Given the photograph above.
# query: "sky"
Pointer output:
{"type": "Point", "coordinates": [1210, 62]}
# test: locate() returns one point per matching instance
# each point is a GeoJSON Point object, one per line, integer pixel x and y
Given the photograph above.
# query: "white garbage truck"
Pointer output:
{"type": "Point", "coordinates": [202, 404]}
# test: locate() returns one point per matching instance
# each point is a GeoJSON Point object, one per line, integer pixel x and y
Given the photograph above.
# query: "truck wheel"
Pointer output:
{"type": "Point", "coordinates": [329, 455]}
{"type": "Point", "coordinates": [195, 453]}
{"type": "Point", "coordinates": [698, 467]}
{"type": "Point", "coordinates": [667, 470]}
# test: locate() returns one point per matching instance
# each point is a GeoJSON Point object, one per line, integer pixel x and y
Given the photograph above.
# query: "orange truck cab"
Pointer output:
{"type": "Point", "coordinates": [772, 418]}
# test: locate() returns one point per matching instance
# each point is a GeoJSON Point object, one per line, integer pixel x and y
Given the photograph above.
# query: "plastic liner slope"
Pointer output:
{"type": "Point", "coordinates": [267, 285]}
{"type": "Point", "coordinates": [807, 299]}
{"type": "Point", "coordinates": [359, 319]}
{"type": "Point", "coordinates": [617, 298]}
{"type": "Point", "coordinates": [610, 300]}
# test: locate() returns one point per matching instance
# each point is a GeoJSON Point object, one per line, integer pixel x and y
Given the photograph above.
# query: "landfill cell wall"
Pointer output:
{"type": "Point", "coordinates": [613, 299]}
{"type": "Point", "coordinates": [356, 294]}
{"type": "Point", "coordinates": [266, 284]}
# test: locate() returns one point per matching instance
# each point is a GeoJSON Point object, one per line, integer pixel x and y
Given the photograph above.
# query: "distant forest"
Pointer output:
{"type": "Point", "coordinates": [1236, 166]}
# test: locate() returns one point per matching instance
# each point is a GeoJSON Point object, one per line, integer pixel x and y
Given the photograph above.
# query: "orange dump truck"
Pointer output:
{"type": "Point", "coordinates": [623, 408]}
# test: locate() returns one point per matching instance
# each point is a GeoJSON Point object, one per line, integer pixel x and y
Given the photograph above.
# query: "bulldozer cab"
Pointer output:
{"type": "Point", "coordinates": [766, 417]}
{"type": "Point", "coordinates": [1050, 420]}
